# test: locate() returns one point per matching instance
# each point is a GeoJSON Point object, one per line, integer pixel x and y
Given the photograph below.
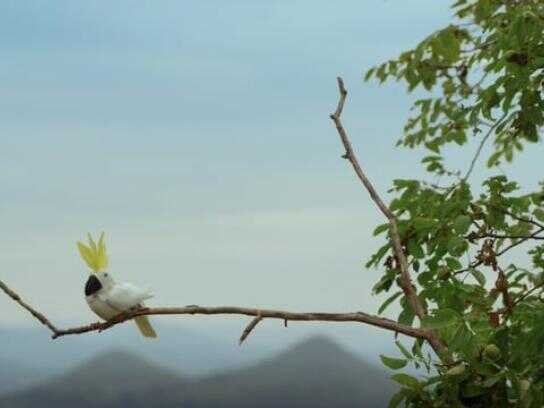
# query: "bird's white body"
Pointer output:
{"type": "Point", "coordinates": [108, 299]}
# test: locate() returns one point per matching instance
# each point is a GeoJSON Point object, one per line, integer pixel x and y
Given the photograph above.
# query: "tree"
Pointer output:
{"type": "Point", "coordinates": [482, 318]}
{"type": "Point", "coordinates": [484, 78]}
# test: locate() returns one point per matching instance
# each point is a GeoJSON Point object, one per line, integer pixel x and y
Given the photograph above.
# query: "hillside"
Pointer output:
{"type": "Point", "coordinates": [111, 379]}
{"type": "Point", "coordinates": [313, 373]}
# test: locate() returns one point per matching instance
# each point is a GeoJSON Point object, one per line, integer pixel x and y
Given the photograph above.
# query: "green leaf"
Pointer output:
{"type": "Point", "coordinates": [383, 284]}
{"type": "Point", "coordinates": [446, 45]}
{"type": "Point", "coordinates": [406, 317]}
{"type": "Point", "coordinates": [453, 264]}
{"type": "Point", "coordinates": [423, 225]}
{"type": "Point", "coordinates": [539, 62]}
{"type": "Point", "coordinates": [462, 224]}
{"type": "Point", "coordinates": [403, 350]}
{"type": "Point", "coordinates": [461, 339]}
{"type": "Point", "coordinates": [380, 229]}
{"type": "Point", "coordinates": [494, 159]}
{"type": "Point", "coordinates": [396, 399]}
{"type": "Point", "coordinates": [479, 276]}
{"type": "Point", "coordinates": [393, 363]}
{"type": "Point", "coordinates": [539, 214]}
{"type": "Point", "coordinates": [369, 73]}
{"type": "Point", "coordinates": [457, 246]}
{"type": "Point", "coordinates": [388, 301]}
{"type": "Point", "coordinates": [415, 249]}
{"type": "Point", "coordinates": [441, 319]}
{"type": "Point", "coordinates": [406, 380]}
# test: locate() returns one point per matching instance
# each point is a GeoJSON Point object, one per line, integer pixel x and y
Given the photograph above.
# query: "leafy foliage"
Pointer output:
{"type": "Point", "coordinates": [484, 75]}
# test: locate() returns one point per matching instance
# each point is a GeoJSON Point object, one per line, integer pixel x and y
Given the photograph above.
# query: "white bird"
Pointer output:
{"type": "Point", "coordinates": [108, 299]}
{"type": "Point", "coordinates": [104, 296]}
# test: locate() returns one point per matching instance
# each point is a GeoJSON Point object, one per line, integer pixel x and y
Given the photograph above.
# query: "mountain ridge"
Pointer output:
{"type": "Point", "coordinates": [316, 372]}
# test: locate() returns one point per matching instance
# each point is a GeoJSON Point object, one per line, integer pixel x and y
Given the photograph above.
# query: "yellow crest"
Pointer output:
{"type": "Point", "coordinates": [94, 254]}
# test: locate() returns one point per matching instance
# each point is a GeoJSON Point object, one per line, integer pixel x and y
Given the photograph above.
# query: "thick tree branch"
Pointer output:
{"type": "Point", "coordinates": [259, 314]}
{"type": "Point", "coordinates": [405, 280]}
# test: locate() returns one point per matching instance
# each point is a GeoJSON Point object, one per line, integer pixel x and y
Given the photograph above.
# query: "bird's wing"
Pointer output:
{"type": "Point", "coordinates": [124, 296]}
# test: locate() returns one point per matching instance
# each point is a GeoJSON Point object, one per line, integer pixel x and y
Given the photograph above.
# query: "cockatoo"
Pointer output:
{"type": "Point", "coordinates": [107, 298]}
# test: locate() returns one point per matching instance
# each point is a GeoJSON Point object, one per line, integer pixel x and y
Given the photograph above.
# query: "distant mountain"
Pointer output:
{"type": "Point", "coordinates": [186, 346]}
{"type": "Point", "coordinates": [197, 351]}
{"type": "Point", "coordinates": [16, 375]}
{"type": "Point", "coordinates": [117, 371]}
{"type": "Point", "coordinates": [111, 379]}
{"type": "Point", "coordinates": [314, 373]}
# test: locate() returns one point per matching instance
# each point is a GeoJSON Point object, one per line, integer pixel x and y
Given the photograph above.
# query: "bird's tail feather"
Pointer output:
{"type": "Point", "coordinates": [145, 326]}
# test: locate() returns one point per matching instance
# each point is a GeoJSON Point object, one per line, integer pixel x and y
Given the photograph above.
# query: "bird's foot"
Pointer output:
{"type": "Point", "coordinates": [121, 317]}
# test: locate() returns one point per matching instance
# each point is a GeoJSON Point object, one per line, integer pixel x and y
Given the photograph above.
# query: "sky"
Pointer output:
{"type": "Point", "coordinates": [196, 135]}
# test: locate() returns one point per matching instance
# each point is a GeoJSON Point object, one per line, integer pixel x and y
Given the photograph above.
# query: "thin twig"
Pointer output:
{"type": "Point", "coordinates": [482, 143]}
{"type": "Point", "coordinates": [506, 249]}
{"type": "Point", "coordinates": [249, 328]}
{"type": "Point", "coordinates": [404, 281]}
{"type": "Point", "coordinates": [528, 293]}
{"type": "Point", "coordinates": [357, 317]}
{"type": "Point", "coordinates": [499, 236]}
{"type": "Point", "coordinates": [518, 217]}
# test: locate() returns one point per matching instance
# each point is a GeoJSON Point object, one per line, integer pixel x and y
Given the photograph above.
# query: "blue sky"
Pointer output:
{"type": "Point", "coordinates": [196, 134]}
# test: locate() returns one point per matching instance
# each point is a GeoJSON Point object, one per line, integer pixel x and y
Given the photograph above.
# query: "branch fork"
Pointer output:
{"type": "Point", "coordinates": [405, 281]}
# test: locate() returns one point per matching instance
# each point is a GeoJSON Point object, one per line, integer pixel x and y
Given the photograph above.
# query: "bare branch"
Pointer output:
{"type": "Point", "coordinates": [395, 237]}
{"type": "Point", "coordinates": [350, 155]}
{"type": "Point", "coordinates": [404, 281]}
{"type": "Point", "coordinates": [397, 247]}
{"type": "Point", "coordinates": [356, 317]}
{"type": "Point", "coordinates": [43, 320]}
{"type": "Point", "coordinates": [249, 328]}
{"type": "Point", "coordinates": [501, 236]}
{"type": "Point", "coordinates": [359, 317]}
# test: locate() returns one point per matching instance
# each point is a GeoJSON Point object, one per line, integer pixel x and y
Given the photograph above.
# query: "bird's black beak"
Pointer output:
{"type": "Point", "coordinates": [92, 286]}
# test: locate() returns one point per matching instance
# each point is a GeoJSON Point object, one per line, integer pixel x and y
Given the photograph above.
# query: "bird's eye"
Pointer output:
{"type": "Point", "coordinates": [106, 275]}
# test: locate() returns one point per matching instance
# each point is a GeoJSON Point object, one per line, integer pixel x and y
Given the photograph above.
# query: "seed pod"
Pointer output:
{"type": "Point", "coordinates": [492, 352]}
